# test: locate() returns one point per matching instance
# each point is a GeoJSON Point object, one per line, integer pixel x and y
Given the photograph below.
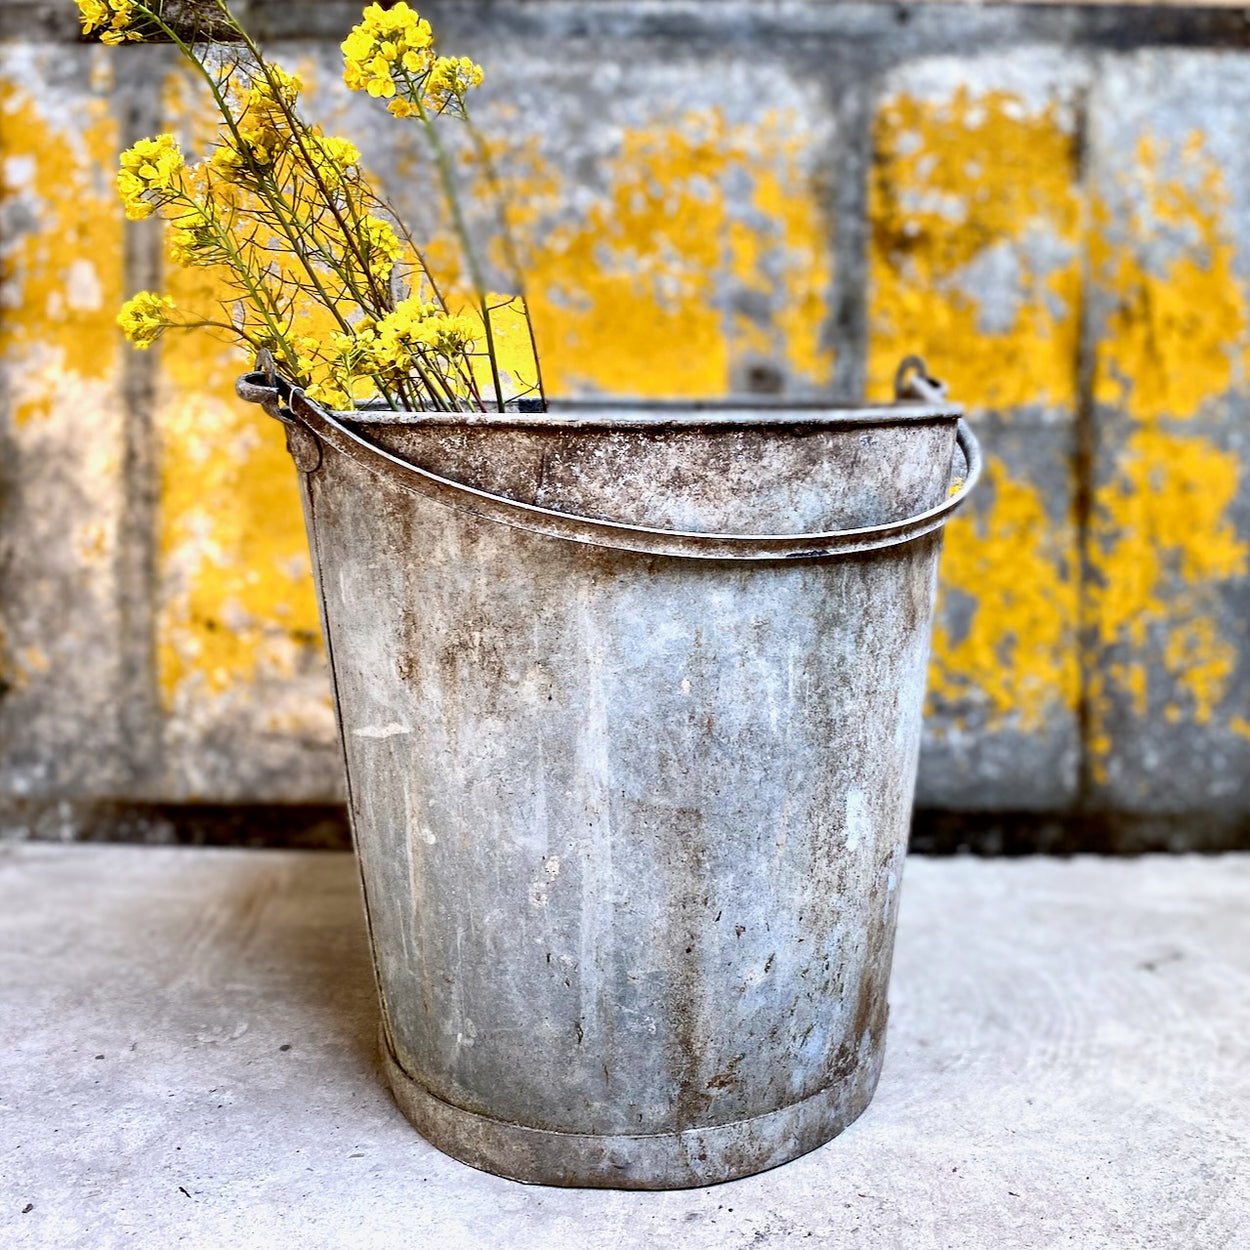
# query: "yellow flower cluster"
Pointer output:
{"type": "Point", "coordinates": [144, 316]}
{"type": "Point", "coordinates": [405, 340]}
{"type": "Point", "coordinates": [333, 158]}
{"type": "Point", "coordinates": [450, 78]}
{"type": "Point", "coordinates": [384, 43]}
{"type": "Point", "coordinates": [380, 246]}
{"type": "Point", "coordinates": [445, 85]}
{"type": "Point", "coordinates": [192, 239]}
{"type": "Point", "coordinates": [450, 336]}
{"type": "Point", "coordinates": [151, 166]}
{"type": "Point", "coordinates": [306, 258]}
{"type": "Point", "coordinates": [263, 129]}
{"type": "Point", "coordinates": [274, 93]}
{"type": "Point", "coordinates": [112, 18]}
{"type": "Point", "coordinates": [414, 328]}
{"type": "Point", "coordinates": [332, 381]}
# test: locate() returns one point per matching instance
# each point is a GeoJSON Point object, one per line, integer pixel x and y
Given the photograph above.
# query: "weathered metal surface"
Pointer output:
{"type": "Point", "coordinates": [631, 825]}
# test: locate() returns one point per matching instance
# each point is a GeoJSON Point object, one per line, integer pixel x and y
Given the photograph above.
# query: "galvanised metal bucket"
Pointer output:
{"type": "Point", "coordinates": [630, 701]}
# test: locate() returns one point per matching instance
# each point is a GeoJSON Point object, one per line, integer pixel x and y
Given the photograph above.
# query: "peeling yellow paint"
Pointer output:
{"type": "Point", "coordinates": [1163, 519]}
{"type": "Point", "coordinates": [971, 196]}
{"type": "Point", "coordinates": [665, 282]}
{"type": "Point", "coordinates": [1163, 543]}
{"type": "Point", "coordinates": [798, 227]}
{"type": "Point", "coordinates": [968, 180]}
{"type": "Point", "coordinates": [647, 291]}
{"type": "Point", "coordinates": [1017, 658]}
{"type": "Point", "coordinates": [1174, 340]}
{"type": "Point", "coordinates": [63, 270]}
{"type": "Point", "coordinates": [1176, 336]}
{"type": "Point", "coordinates": [237, 596]}
{"type": "Point", "coordinates": [961, 187]}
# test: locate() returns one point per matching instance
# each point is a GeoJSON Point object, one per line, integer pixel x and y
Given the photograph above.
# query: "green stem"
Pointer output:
{"type": "Point", "coordinates": [452, 196]}
{"type": "Point", "coordinates": [299, 130]}
{"type": "Point", "coordinates": [289, 226]}
{"type": "Point", "coordinates": [431, 375]}
{"type": "Point", "coordinates": [508, 240]}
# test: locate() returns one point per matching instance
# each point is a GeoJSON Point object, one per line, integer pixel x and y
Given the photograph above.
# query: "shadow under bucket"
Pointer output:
{"type": "Point", "coordinates": [630, 700]}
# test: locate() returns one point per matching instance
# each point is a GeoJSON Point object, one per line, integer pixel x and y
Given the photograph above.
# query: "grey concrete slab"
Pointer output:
{"type": "Point", "coordinates": [1169, 683]}
{"type": "Point", "coordinates": [187, 1059]}
{"type": "Point", "coordinates": [1001, 730]}
{"type": "Point", "coordinates": [64, 608]}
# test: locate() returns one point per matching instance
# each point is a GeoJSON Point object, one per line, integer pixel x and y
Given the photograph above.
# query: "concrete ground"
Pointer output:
{"type": "Point", "coordinates": [187, 1058]}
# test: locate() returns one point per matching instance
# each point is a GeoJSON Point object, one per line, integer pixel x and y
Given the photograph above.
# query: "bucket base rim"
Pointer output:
{"type": "Point", "coordinates": [689, 1159]}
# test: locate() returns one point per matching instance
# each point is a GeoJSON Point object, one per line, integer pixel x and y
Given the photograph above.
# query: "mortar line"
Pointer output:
{"type": "Point", "coordinates": [140, 712]}
{"type": "Point", "coordinates": [1084, 469]}
{"type": "Point", "coordinates": [847, 324]}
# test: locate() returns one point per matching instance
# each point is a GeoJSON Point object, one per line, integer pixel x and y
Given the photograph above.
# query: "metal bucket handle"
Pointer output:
{"type": "Point", "coordinates": [308, 424]}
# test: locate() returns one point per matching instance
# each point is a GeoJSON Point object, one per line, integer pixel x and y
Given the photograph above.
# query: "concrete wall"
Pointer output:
{"type": "Point", "coordinates": [1051, 205]}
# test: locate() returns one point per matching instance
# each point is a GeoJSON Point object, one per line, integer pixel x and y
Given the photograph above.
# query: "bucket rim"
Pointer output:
{"type": "Point", "coordinates": [307, 419]}
{"type": "Point", "coordinates": [734, 411]}
{"type": "Point", "coordinates": [309, 428]}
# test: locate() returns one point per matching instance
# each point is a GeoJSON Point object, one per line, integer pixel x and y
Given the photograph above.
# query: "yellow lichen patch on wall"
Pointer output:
{"type": "Point", "coordinates": [635, 293]}
{"type": "Point", "coordinates": [1176, 335]}
{"type": "Point", "coordinates": [62, 266]}
{"type": "Point", "coordinates": [976, 216]}
{"type": "Point", "coordinates": [237, 596]}
{"type": "Point", "coordinates": [1174, 340]}
{"type": "Point", "coordinates": [974, 263]}
{"type": "Point", "coordinates": [797, 227]}
{"type": "Point", "coordinates": [1163, 543]}
{"type": "Point", "coordinates": [1017, 658]}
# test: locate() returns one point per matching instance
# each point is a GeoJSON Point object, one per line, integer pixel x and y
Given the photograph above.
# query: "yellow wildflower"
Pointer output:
{"type": "Point", "coordinates": [112, 18]}
{"type": "Point", "coordinates": [393, 343]}
{"type": "Point", "coordinates": [449, 336]}
{"type": "Point", "coordinates": [192, 239]}
{"type": "Point", "coordinates": [308, 349]}
{"type": "Point", "coordinates": [189, 247]}
{"type": "Point", "coordinates": [262, 130]}
{"type": "Point", "coordinates": [415, 328]}
{"type": "Point", "coordinates": [332, 158]}
{"type": "Point", "coordinates": [329, 394]}
{"type": "Point", "coordinates": [380, 246]}
{"type": "Point", "coordinates": [275, 92]}
{"type": "Point", "coordinates": [154, 160]}
{"type": "Point", "coordinates": [383, 42]}
{"type": "Point", "coordinates": [236, 156]}
{"type": "Point", "coordinates": [144, 317]}
{"type": "Point", "coordinates": [151, 166]}
{"type": "Point", "coordinates": [354, 352]}
{"type": "Point", "coordinates": [226, 161]}
{"type": "Point", "coordinates": [337, 381]}
{"type": "Point", "coordinates": [450, 78]}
